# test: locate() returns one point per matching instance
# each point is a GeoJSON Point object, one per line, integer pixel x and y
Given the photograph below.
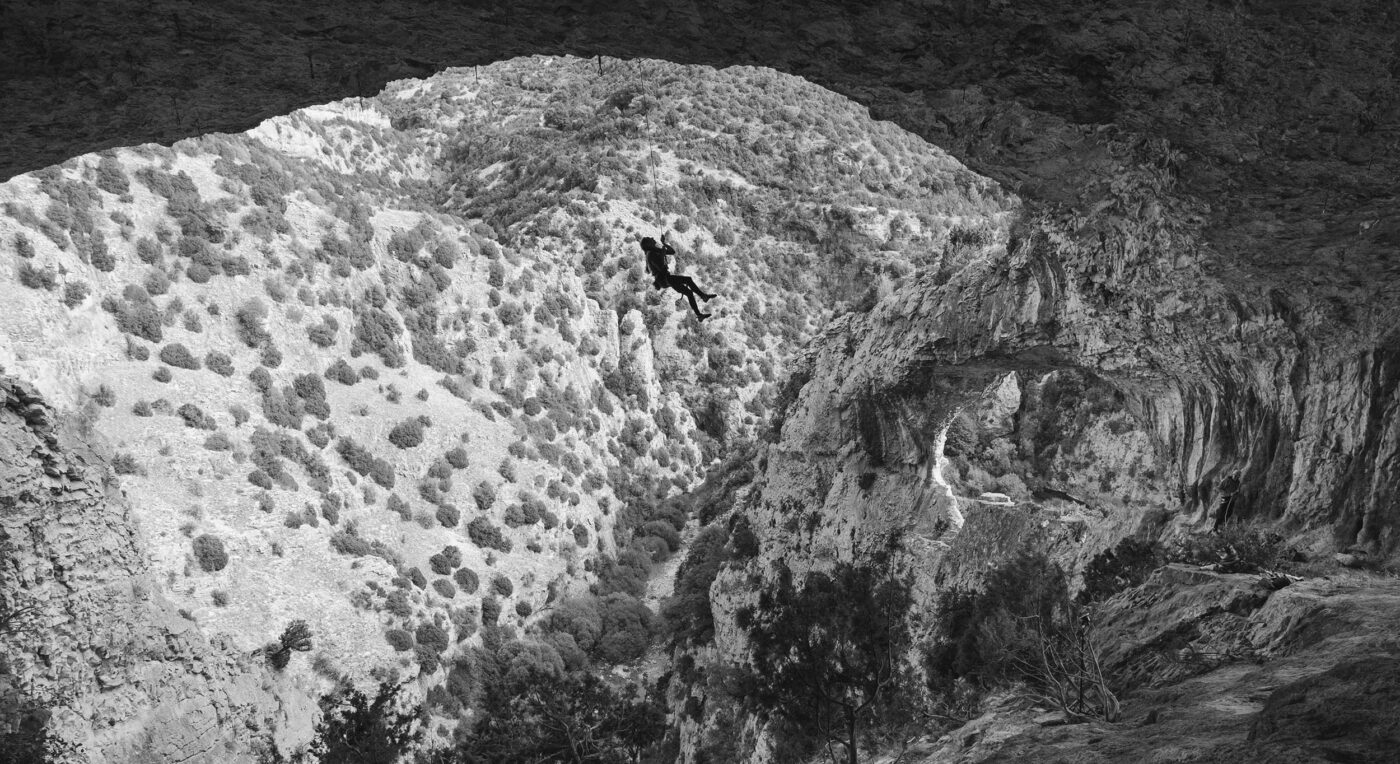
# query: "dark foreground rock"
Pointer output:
{"type": "Point", "coordinates": [1315, 678]}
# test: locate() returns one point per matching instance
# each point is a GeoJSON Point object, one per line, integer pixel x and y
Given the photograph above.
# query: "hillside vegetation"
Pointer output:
{"type": "Point", "coordinates": [392, 366]}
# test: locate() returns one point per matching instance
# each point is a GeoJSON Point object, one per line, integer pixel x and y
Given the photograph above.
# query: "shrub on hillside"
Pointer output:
{"type": "Point", "coordinates": [626, 574]}
{"type": "Point", "coordinates": [135, 313]}
{"type": "Point", "coordinates": [37, 278]}
{"type": "Point", "coordinates": [365, 463]}
{"type": "Point", "coordinates": [457, 457]}
{"type": "Point", "coordinates": [101, 257]}
{"type": "Point", "coordinates": [210, 553]}
{"type": "Point", "coordinates": [312, 393]}
{"type": "Point", "coordinates": [261, 379]}
{"type": "Point", "coordinates": [399, 507]}
{"type": "Point", "coordinates": [125, 464]}
{"type": "Point", "coordinates": [376, 331]}
{"type": "Point", "coordinates": [283, 408]}
{"type": "Point", "coordinates": [466, 580]}
{"type": "Point", "coordinates": [218, 442]}
{"type": "Point", "coordinates": [1122, 567]}
{"type": "Point", "coordinates": [397, 602]}
{"type": "Point", "coordinates": [431, 636]}
{"type": "Point", "coordinates": [408, 433]}
{"type": "Point", "coordinates": [449, 516]}
{"type": "Point", "coordinates": [484, 495]}
{"type": "Point", "coordinates": [105, 396]}
{"type": "Point", "coordinates": [179, 356]}
{"type": "Point", "coordinates": [440, 470]}
{"type": "Point", "coordinates": [320, 435]}
{"type": "Point", "coordinates": [445, 561]}
{"type": "Point", "coordinates": [343, 255]}
{"type": "Point", "coordinates": [199, 273]}
{"type": "Point", "coordinates": [219, 363]}
{"type": "Point", "coordinates": [323, 334]}
{"type": "Point", "coordinates": [239, 413]}
{"type": "Point", "coordinates": [141, 408]}
{"type": "Point", "coordinates": [248, 323]}
{"type": "Point", "coordinates": [444, 588]}
{"type": "Point", "coordinates": [111, 177]}
{"type": "Point", "coordinates": [664, 531]}
{"type": "Point", "coordinates": [23, 247]}
{"type": "Point", "coordinates": [156, 283]}
{"type": "Point", "coordinates": [502, 585]}
{"type": "Point", "coordinates": [341, 372]}
{"type": "Point", "coordinates": [487, 535]}
{"type": "Point", "coordinates": [399, 639]}
{"type": "Point", "coordinates": [74, 293]}
{"type": "Point", "coordinates": [490, 611]}
{"type": "Point", "coordinates": [347, 542]}
{"type": "Point", "coordinates": [627, 627]}
{"type": "Point", "coordinates": [403, 245]}
{"type": "Point", "coordinates": [195, 417]}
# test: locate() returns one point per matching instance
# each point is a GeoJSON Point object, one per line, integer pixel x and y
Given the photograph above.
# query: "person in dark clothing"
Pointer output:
{"type": "Point", "coordinates": [1227, 489]}
{"type": "Point", "coordinates": [662, 278]}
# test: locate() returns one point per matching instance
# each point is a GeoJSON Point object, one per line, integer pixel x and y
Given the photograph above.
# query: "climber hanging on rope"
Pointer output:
{"type": "Point", "coordinates": [662, 277]}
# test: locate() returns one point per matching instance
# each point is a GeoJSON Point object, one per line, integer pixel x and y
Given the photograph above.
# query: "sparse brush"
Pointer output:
{"type": "Point", "coordinates": [297, 636]}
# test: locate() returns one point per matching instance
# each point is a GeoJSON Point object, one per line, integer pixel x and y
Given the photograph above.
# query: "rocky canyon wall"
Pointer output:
{"type": "Point", "coordinates": [122, 674]}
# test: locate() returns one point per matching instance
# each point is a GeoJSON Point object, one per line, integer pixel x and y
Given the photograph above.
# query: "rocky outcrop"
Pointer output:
{"type": "Point", "coordinates": [1227, 673]}
{"type": "Point", "coordinates": [124, 675]}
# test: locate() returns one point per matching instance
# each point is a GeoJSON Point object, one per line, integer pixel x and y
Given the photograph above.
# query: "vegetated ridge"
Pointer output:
{"type": "Point", "coordinates": [391, 365]}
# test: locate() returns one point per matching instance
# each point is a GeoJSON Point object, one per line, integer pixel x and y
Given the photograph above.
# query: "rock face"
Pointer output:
{"type": "Point", "coordinates": [125, 676]}
{"type": "Point", "coordinates": [1223, 671]}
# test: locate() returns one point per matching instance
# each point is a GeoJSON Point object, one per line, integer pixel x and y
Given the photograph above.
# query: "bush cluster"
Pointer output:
{"type": "Point", "coordinates": [125, 464]}
{"type": "Point", "coordinates": [377, 332]}
{"type": "Point", "coordinates": [248, 323]}
{"type": "Point", "coordinates": [219, 363]}
{"type": "Point", "coordinates": [466, 580]}
{"type": "Point", "coordinates": [341, 372]}
{"type": "Point", "coordinates": [179, 356]}
{"type": "Point", "coordinates": [444, 562]}
{"type": "Point", "coordinates": [444, 588]}
{"type": "Point", "coordinates": [323, 334]}
{"type": "Point", "coordinates": [409, 432]}
{"type": "Point", "coordinates": [196, 418]}
{"type": "Point", "coordinates": [209, 552]}
{"type": "Point", "coordinates": [487, 535]}
{"type": "Point", "coordinates": [74, 293]}
{"type": "Point", "coordinates": [448, 516]}
{"type": "Point", "coordinates": [136, 313]}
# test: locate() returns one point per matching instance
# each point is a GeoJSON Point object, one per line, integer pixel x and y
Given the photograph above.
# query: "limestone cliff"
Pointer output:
{"type": "Point", "coordinates": [125, 676]}
{"type": "Point", "coordinates": [1083, 378]}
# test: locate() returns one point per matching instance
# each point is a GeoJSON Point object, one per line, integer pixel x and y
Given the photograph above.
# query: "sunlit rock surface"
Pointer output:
{"type": "Point", "coordinates": [125, 676]}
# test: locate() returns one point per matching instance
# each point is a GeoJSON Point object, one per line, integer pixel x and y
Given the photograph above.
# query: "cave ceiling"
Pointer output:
{"type": "Point", "coordinates": [1280, 118]}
